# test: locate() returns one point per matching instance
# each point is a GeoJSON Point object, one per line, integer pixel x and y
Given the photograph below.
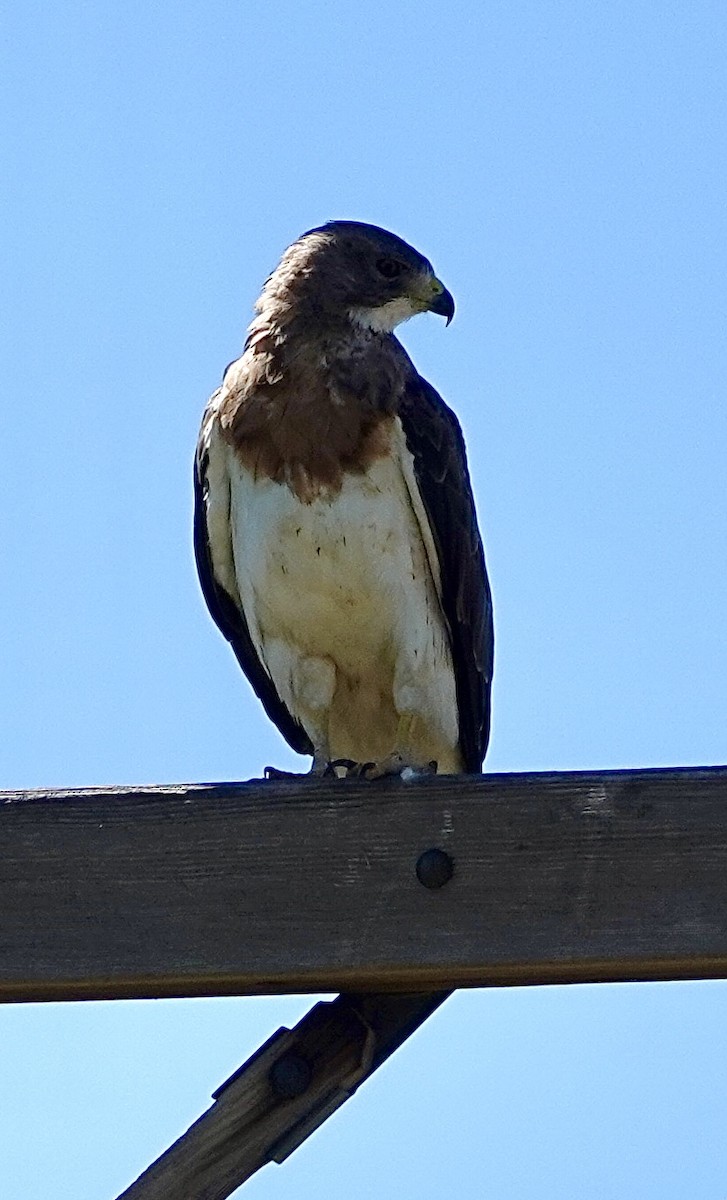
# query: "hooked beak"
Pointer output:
{"type": "Point", "coordinates": [442, 302]}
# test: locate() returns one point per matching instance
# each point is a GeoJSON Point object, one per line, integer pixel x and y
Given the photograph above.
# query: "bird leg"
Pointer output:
{"type": "Point", "coordinates": [324, 767]}
{"type": "Point", "coordinates": [399, 760]}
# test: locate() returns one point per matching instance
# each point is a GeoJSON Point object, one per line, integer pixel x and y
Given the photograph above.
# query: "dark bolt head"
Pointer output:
{"type": "Point", "coordinates": [434, 868]}
{"type": "Point", "coordinates": [290, 1076]}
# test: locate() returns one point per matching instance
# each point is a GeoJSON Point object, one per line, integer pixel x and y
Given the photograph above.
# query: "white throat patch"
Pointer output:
{"type": "Point", "coordinates": [387, 316]}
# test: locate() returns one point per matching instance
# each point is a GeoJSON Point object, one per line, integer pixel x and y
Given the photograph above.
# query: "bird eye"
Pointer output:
{"type": "Point", "coordinates": [389, 267]}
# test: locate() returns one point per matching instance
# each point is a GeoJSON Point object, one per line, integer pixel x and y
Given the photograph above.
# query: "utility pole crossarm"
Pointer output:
{"type": "Point", "coordinates": [383, 891]}
{"type": "Point", "coordinates": [311, 885]}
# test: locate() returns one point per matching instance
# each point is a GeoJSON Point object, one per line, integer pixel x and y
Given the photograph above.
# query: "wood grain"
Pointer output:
{"type": "Point", "coordinates": [309, 885]}
{"type": "Point", "coordinates": [342, 1042]}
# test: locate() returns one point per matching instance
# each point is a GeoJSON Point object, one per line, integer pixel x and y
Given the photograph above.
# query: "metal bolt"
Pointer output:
{"type": "Point", "coordinates": [290, 1076]}
{"type": "Point", "coordinates": [434, 868]}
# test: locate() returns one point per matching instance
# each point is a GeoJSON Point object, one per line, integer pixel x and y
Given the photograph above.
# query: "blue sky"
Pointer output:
{"type": "Point", "coordinates": [563, 166]}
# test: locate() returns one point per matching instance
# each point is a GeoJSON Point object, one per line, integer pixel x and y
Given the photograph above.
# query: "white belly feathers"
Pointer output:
{"type": "Point", "coordinates": [341, 598]}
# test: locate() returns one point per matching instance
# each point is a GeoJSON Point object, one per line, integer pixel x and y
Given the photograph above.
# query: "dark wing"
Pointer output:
{"type": "Point", "coordinates": [435, 441]}
{"type": "Point", "coordinates": [229, 617]}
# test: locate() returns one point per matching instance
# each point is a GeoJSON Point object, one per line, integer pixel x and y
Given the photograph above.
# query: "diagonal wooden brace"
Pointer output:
{"type": "Point", "coordinates": [283, 1093]}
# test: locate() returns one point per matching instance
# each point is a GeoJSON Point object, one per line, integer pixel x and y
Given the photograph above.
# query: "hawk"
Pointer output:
{"type": "Point", "coordinates": [336, 536]}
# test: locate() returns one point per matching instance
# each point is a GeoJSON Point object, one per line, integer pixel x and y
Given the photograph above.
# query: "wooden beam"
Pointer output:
{"type": "Point", "coordinates": [310, 885]}
{"type": "Point", "coordinates": [289, 1087]}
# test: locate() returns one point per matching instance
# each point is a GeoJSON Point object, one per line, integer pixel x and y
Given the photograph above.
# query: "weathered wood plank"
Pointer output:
{"type": "Point", "coordinates": [308, 885]}
{"type": "Point", "coordinates": [254, 1120]}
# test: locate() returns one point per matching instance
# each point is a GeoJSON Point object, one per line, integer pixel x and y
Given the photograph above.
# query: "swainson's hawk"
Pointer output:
{"type": "Point", "coordinates": [335, 530]}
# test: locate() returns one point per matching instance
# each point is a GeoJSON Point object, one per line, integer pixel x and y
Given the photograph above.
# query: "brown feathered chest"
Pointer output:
{"type": "Point", "coordinates": [307, 414]}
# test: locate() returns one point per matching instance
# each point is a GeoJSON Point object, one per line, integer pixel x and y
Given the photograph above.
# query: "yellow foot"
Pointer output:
{"type": "Point", "coordinates": [399, 762]}
{"type": "Point", "coordinates": [394, 764]}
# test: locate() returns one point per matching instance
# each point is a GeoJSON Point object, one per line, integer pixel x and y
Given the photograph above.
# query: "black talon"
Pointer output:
{"type": "Point", "coordinates": [276, 773]}
{"type": "Point", "coordinates": [347, 763]}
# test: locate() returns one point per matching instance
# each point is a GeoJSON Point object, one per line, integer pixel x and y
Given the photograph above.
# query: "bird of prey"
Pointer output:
{"type": "Point", "coordinates": [335, 530]}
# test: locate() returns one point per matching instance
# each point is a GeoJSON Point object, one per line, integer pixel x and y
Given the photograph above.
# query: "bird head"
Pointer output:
{"type": "Point", "coordinates": [350, 271]}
